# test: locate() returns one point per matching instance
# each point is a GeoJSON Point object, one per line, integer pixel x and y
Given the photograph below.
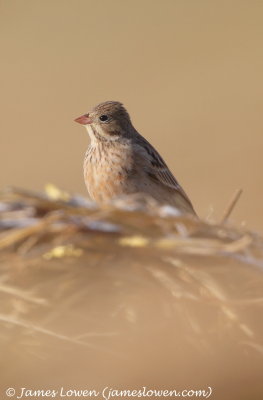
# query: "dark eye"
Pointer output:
{"type": "Point", "coordinates": [104, 118]}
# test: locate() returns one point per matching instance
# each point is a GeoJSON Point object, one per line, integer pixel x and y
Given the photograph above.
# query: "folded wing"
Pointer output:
{"type": "Point", "coordinates": [159, 172]}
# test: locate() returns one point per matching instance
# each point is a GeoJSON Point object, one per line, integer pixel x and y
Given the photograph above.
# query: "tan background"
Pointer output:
{"type": "Point", "coordinates": [189, 72]}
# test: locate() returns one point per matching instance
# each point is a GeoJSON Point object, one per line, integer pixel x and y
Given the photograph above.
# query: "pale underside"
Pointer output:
{"type": "Point", "coordinates": [113, 169]}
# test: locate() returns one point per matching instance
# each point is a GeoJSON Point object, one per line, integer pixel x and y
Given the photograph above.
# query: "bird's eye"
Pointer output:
{"type": "Point", "coordinates": [104, 118]}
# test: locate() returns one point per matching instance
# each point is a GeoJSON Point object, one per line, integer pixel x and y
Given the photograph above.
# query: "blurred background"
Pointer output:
{"type": "Point", "coordinates": [189, 73]}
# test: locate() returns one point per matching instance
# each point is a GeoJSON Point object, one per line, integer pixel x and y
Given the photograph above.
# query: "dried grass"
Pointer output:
{"type": "Point", "coordinates": [131, 282]}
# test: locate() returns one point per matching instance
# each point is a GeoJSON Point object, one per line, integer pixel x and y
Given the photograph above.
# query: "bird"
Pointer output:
{"type": "Point", "coordinates": [120, 161]}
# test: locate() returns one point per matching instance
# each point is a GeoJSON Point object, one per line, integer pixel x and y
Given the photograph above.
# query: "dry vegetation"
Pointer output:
{"type": "Point", "coordinates": [131, 295]}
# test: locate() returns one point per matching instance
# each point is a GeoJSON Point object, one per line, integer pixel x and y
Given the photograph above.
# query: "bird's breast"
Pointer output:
{"type": "Point", "coordinates": [107, 172]}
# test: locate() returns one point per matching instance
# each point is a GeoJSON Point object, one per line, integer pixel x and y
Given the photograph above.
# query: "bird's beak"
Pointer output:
{"type": "Point", "coordinates": [84, 119]}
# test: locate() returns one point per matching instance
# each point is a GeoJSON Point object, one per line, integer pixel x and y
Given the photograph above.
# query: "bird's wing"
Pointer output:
{"type": "Point", "coordinates": [159, 171]}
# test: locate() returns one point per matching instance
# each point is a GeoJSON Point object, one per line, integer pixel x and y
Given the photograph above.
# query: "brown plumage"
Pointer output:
{"type": "Point", "coordinates": [120, 161]}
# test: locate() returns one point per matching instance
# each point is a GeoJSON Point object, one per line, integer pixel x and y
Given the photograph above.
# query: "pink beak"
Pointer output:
{"type": "Point", "coordinates": [84, 119]}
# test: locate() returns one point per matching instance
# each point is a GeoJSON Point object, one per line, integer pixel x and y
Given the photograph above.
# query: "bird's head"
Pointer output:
{"type": "Point", "coordinates": [107, 121]}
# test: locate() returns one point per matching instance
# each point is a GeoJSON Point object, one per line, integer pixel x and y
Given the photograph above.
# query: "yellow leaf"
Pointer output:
{"type": "Point", "coordinates": [134, 241]}
{"type": "Point", "coordinates": [63, 251]}
{"type": "Point", "coordinates": [54, 193]}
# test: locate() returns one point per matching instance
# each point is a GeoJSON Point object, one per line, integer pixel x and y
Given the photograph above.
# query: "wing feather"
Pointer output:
{"type": "Point", "coordinates": [158, 170]}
